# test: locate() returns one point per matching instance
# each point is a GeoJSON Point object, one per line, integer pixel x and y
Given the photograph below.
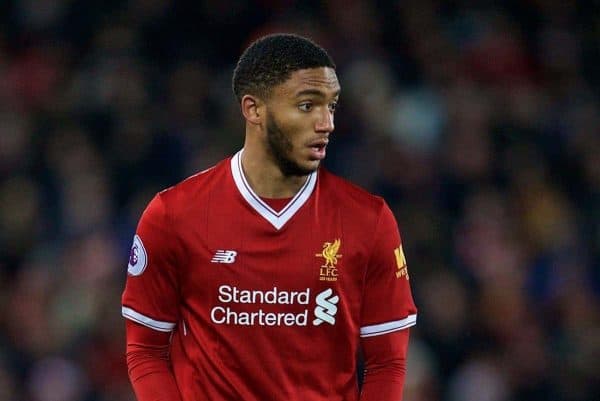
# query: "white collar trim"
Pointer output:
{"type": "Point", "coordinates": [277, 219]}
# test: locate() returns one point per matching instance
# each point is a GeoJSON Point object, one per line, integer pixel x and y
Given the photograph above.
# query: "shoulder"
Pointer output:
{"type": "Point", "coordinates": [194, 188]}
{"type": "Point", "coordinates": [350, 196]}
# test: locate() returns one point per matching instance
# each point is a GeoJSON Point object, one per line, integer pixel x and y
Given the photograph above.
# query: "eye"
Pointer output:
{"type": "Point", "coordinates": [333, 106]}
{"type": "Point", "coordinates": [306, 106]}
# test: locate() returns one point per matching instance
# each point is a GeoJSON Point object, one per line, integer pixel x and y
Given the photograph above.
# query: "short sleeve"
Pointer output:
{"type": "Point", "coordinates": [388, 304]}
{"type": "Point", "coordinates": [151, 297]}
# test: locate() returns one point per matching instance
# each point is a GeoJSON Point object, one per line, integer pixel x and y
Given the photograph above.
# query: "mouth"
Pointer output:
{"type": "Point", "coordinates": [318, 149]}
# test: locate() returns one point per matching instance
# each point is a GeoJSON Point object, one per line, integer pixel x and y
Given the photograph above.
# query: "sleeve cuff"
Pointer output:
{"type": "Point", "coordinates": [146, 321]}
{"type": "Point", "coordinates": [388, 327]}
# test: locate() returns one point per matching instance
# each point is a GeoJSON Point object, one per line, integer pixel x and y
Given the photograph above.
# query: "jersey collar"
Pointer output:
{"type": "Point", "coordinates": [277, 219]}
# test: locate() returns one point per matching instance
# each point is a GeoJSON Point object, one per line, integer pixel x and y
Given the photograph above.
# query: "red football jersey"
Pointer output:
{"type": "Point", "coordinates": [265, 304]}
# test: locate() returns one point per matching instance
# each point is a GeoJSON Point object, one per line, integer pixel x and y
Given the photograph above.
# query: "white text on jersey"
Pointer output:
{"type": "Point", "coordinates": [230, 297]}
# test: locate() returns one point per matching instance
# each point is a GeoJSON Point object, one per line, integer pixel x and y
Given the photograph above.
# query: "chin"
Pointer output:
{"type": "Point", "coordinates": [314, 166]}
{"type": "Point", "coordinates": [300, 169]}
{"type": "Point", "coordinates": [309, 165]}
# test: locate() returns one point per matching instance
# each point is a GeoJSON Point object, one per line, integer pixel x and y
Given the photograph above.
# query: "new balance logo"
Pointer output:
{"type": "Point", "coordinates": [326, 307]}
{"type": "Point", "coordinates": [224, 256]}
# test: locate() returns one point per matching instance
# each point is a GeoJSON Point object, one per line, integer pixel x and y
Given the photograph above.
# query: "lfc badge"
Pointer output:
{"type": "Point", "coordinates": [328, 271]}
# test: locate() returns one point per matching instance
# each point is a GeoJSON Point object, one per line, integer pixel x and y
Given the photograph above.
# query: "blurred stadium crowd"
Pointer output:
{"type": "Point", "coordinates": [479, 123]}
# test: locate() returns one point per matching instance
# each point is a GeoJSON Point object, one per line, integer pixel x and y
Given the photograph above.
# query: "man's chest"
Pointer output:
{"type": "Point", "coordinates": [249, 266]}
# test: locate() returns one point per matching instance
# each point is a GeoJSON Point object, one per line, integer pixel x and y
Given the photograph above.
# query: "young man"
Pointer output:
{"type": "Point", "coordinates": [263, 277]}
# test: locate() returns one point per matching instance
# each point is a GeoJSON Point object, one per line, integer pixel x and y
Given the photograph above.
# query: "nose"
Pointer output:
{"type": "Point", "coordinates": [325, 122]}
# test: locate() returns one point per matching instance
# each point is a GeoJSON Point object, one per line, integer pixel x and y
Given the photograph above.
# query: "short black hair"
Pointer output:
{"type": "Point", "coordinates": [270, 60]}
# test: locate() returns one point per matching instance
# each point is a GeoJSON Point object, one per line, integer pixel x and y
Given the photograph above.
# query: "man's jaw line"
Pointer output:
{"type": "Point", "coordinates": [269, 179]}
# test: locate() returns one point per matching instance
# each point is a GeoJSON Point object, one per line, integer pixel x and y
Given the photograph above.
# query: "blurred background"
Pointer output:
{"type": "Point", "coordinates": [478, 122]}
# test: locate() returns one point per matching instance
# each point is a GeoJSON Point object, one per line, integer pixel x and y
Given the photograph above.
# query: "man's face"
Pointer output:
{"type": "Point", "coordinates": [300, 118]}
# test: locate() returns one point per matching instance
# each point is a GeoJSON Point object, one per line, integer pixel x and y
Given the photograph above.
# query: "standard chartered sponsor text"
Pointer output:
{"type": "Point", "coordinates": [229, 315]}
{"type": "Point", "coordinates": [274, 296]}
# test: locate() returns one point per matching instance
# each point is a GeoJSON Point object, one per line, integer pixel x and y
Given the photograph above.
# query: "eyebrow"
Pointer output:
{"type": "Point", "coordinates": [315, 92]}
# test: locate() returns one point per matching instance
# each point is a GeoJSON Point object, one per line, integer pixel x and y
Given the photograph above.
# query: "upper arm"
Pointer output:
{"type": "Point", "coordinates": [387, 299]}
{"type": "Point", "coordinates": [151, 295]}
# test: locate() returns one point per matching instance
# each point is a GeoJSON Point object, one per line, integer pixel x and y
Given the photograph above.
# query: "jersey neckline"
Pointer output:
{"type": "Point", "coordinates": [276, 218]}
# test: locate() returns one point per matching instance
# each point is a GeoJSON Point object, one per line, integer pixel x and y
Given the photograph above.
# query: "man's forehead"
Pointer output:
{"type": "Point", "coordinates": [321, 78]}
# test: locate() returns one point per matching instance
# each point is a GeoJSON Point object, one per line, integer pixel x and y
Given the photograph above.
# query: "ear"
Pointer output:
{"type": "Point", "coordinates": [252, 109]}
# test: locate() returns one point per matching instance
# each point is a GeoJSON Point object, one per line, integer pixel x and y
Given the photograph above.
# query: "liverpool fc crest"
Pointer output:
{"type": "Point", "coordinates": [330, 255]}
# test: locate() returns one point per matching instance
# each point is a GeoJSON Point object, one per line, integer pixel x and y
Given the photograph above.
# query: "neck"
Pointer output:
{"type": "Point", "coordinates": [266, 178]}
